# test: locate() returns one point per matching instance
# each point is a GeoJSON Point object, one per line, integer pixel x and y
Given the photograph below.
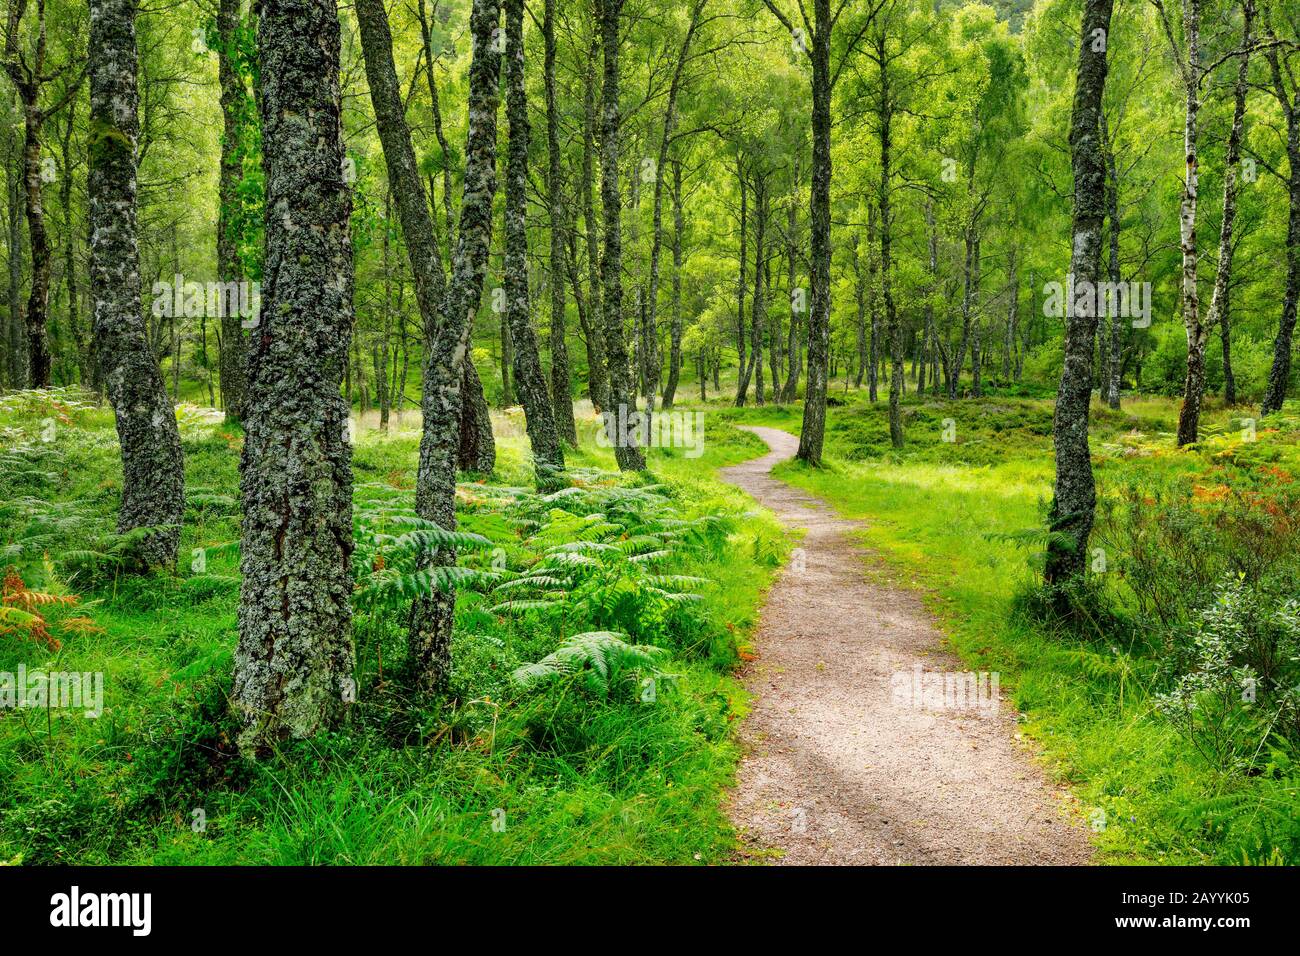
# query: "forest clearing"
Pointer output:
{"type": "Point", "coordinates": [651, 432]}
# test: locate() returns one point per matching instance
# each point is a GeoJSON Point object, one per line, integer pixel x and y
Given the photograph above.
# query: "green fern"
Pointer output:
{"type": "Point", "coordinates": [600, 659]}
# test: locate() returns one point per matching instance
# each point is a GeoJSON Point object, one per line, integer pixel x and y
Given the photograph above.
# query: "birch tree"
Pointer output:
{"type": "Point", "coordinates": [153, 481]}
{"type": "Point", "coordinates": [1220, 313]}
{"type": "Point", "coordinates": [31, 72]}
{"type": "Point", "coordinates": [561, 381]}
{"type": "Point", "coordinates": [539, 415]}
{"type": "Point", "coordinates": [1284, 87]}
{"type": "Point", "coordinates": [622, 405]}
{"type": "Point", "coordinates": [1074, 491]}
{"type": "Point", "coordinates": [294, 664]}
{"type": "Point", "coordinates": [812, 36]}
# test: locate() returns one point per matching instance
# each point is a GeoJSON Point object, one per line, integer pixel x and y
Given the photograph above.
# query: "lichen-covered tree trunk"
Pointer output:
{"type": "Point", "coordinates": [30, 72]}
{"type": "Point", "coordinates": [860, 309]}
{"type": "Point", "coordinates": [435, 104]}
{"type": "Point", "coordinates": [38, 296]}
{"type": "Point", "coordinates": [758, 325]}
{"type": "Point", "coordinates": [561, 381]}
{"type": "Point", "coordinates": [507, 361]}
{"type": "Point", "coordinates": [457, 429]}
{"type": "Point", "coordinates": [294, 664]}
{"type": "Point", "coordinates": [893, 321]}
{"type": "Point", "coordinates": [1113, 366]}
{"type": "Point", "coordinates": [1279, 376]}
{"type": "Point", "coordinates": [592, 336]}
{"type": "Point", "coordinates": [622, 405]}
{"type": "Point", "coordinates": [813, 431]}
{"type": "Point", "coordinates": [530, 383]}
{"type": "Point", "coordinates": [976, 332]}
{"type": "Point", "coordinates": [234, 350]}
{"type": "Point", "coordinates": [1220, 299]}
{"type": "Point", "coordinates": [478, 451]}
{"type": "Point", "coordinates": [1075, 494]}
{"type": "Point", "coordinates": [153, 492]}
{"type": "Point", "coordinates": [970, 265]}
{"type": "Point", "coordinates": [656, 243]}
{"type": "Point", "coordinates": [793, 350]}
{"type": "Point", "coordinates": [447, 371]}
{"type": "Point", "coordinates": [873, 307]}
{"type": "Point", "coordinates": [1013, 316]}
{"type": "Point", "coordinates": [476, 445]}
{"type": "Point", "coordinates": [1189, 415]}
{"type": "Point", "coordinates": [675, 334]}
{"type": "Point", "coordinates": [17, 329]}
{"type": "Point", "coordinates": [742, 368]}
{"type": "Point", "coordinates": [79, 337]}
{"type": "Point", "coordinates": [932, 289]}
{"type": "Point", "coordinates": [594, 328]}
{"type": "Point", "coordinates": [379, 351]}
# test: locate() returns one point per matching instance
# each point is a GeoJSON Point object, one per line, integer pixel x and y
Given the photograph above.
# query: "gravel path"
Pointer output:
{"type": "Point", "coordinates": [842, 766]}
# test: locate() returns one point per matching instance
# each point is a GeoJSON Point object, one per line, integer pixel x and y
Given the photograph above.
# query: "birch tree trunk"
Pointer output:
{"type": "Point", "coordinates": [759, 305]}
{"type": "Point", "coordinates": [627, 448]}
{"type": "Point", "coordinates": [30, 73]}
{"type": "Point", "coordinates": [83, 357]}
{"type": "Point", "coordinates": [530, 383]}
{"type": "Point", "coordinates": [1074, 492]}
{"type": "Point", "coordinates": [436, 110]}
{"type": "Point", "coordinates": [233, 357]}
{"type": "Point", "coordinates": [656, 241]}
{"type": "Point", "coordinates": [793, 350]}
{"type": "Point", "coordinates": [675, 334]}
{"type": "Point", "coordinates": [1013, 305]}
{"type": "Point", "coordinates": [931, 331]}
{"type": "Point", "coordinates": [860, 306]}
{"type": "Point", "coordinates": [153, 481]}
{"type": "Point", "coordinates": [976, 321]}
{"type": "Point", "coordinates": [17, 331]}
{"type": "Point", "coordinates": [561, 381]}
{"type": "Point", "coordinates": [594, 328]}
{"type": "Point", "coordinates": [38, 297]}
{"type": "Point", "coordinates": [1220, 298]}
{"type": "Point", "coordinates": [1279, 376]}
{"type": "Point", "coordinates": [893, 322]}
{"type": "Point", "coordinates": [970, 281]}
{"type": "Point", "coordinates": [742, 285]}
{"type": "Point", "coordinates": [813, 430]}
{"type": "Point", "coordinates": [294, 665]}
{"type": "Point", "coordinates": [1114, 364]}
{"type": "Point", "coordinates": [1189, 415]}
{"type": "Point", "coordinates": [449, 379]}
{"type": "Point", "coordinates": [447, 374]}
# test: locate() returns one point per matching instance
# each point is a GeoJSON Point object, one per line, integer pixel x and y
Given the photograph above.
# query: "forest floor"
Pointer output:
{"type": "Point", "coordinates": [838, 769]}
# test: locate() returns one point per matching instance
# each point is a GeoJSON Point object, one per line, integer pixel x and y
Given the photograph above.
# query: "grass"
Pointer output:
{"type": "Point", "coordinates": [944, 514]}
{"type": "Point", "coordinates": [494, 775]}
{"type": "Point", "coordinates": [491, 775]}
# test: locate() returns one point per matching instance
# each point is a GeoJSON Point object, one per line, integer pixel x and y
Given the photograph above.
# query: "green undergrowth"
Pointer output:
{"type": "Point", "coordinates": [562, 766]}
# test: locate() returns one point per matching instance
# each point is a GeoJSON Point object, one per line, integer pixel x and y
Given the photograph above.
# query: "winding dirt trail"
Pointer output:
{"type": "Point", "coordinates": [836, 771]}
